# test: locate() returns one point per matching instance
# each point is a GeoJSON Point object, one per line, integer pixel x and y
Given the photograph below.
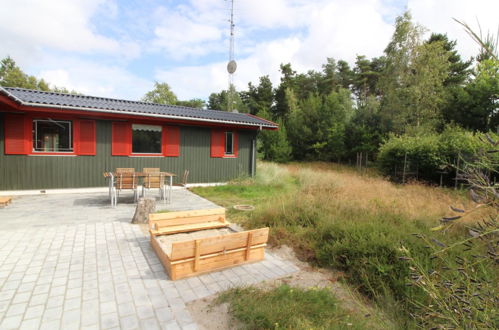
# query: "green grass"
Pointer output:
{"type": "Point", "coordinates": [336, 218]}
{"type": "Point", "coordinates": [286, 307]}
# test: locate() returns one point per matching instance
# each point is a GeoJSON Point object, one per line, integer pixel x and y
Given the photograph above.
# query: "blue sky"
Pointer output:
{"type": "Point", "coordinates": [119, 48]}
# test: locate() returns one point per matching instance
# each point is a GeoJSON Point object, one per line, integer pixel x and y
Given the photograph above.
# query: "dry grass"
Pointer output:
{"type": "Point", "coordinates": [338, 187]}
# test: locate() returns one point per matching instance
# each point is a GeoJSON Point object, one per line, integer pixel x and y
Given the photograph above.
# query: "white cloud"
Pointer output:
{"type": "Point", "coordinates": [437, 17]}
{"type": "Point", "coordinates": [29, 26]}
{"type": "Point", "coordinates": [200, 81]}
{"type": "Point", "coordinates": [182, 35]}
{"type": "Point", "coordinates": [94, 79]}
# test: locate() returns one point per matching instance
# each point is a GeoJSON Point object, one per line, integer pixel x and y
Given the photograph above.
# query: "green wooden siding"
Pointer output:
{"type": "Point", "coordinates": [19, 172]}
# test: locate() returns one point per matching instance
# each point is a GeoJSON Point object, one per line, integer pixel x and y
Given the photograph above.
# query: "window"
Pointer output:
{"type": "Point", "coordinates": [229, 143]}
{"type": "Point", "coordinates": [52, 135]}
{"type": "Point", "coordinates": [146, 139]}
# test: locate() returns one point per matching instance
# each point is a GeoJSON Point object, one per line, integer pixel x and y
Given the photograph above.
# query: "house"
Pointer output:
{"type": "Point", "coordinates": [54, 140]}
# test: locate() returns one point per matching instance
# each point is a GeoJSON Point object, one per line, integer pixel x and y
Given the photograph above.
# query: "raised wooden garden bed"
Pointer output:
{"type": "Point", "coordinates": [4, 201]}
{"type": "Point", "coordinates": [189, 243]}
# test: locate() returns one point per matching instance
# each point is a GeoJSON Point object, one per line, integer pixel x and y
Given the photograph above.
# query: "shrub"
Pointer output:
{"type": "Point", "coordinates": [427, 155]}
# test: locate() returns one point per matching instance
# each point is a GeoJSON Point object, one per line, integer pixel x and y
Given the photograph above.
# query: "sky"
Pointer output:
{"type": "Point", "coordinates": [119, 48]}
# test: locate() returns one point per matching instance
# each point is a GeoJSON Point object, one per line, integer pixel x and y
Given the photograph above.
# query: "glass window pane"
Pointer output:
{"type": "Point", "coordinates": [52, 136]}
{"type": "Point", "coordinates": [229, 150]}
{"type": "Point", "coordinates": [146, 139]}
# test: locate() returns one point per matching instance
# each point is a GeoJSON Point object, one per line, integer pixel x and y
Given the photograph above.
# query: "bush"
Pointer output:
{"type": "Point", "coordinates": [429, 154]}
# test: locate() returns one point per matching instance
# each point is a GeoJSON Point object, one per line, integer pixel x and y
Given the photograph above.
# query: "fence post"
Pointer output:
{"type": "Point", "coordinates": [457, 170]}
{"type": "Point", "coordinates": [403, 172]}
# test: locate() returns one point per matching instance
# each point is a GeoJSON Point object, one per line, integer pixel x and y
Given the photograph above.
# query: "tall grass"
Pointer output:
{"type": "Point", "coordinates": [358, 224]}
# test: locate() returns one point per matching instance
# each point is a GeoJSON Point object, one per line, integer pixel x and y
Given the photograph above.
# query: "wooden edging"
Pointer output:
{"type": "Point", "coordinates": [206, 256]}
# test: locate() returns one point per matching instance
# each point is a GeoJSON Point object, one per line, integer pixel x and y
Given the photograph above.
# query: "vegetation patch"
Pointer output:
{"type": "Point", "coordinates": [359, 224]}
{"type": "Point", "coordinates": [287, 307]}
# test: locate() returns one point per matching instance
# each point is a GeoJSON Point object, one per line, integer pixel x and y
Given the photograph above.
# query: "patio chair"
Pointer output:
{"type": "Point", "coordinates": [184, 180]}
{"type": "Point", "coordinates": [154, 180]}
{"type": "Point", "coordinates": [124, 181]}
{"type": "Point", "coordinates": [125, 170]}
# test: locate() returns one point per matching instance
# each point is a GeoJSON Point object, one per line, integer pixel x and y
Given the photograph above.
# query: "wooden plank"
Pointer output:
{"type": "Point", "coordinates": [162, 256]}
{"type": "Point", "coordinates": [185, 214]}
{"type": "Point", "coordinates": [185, 221]}
{"type": "Point", "coordinates": [225, 252]}
{"type": "Point", "coordinates": [188, 228]}
{"type": "Point", "coordinates": [217, 262]}
{"type": "Point", "coordinates": [248, 245]}
{"type": "Point", "coordinates": [4, 201]}
{"type": "Point", "coordinates": [196, 255]}
{"type": "Point", "coordinates": [183, 250]}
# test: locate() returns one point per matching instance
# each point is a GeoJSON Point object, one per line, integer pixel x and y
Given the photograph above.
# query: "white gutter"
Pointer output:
{"type": "Point", "coordinates": [132, 113]}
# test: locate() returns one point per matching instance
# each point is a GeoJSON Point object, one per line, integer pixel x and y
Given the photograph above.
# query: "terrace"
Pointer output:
{"type": "Point", "coordinates": [72, 261]}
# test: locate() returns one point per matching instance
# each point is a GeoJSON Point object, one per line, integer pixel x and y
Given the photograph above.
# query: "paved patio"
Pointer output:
{"type": "Point", "coordinates": [73, 262]}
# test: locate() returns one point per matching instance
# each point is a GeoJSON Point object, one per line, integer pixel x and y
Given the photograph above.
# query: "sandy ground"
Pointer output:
{"type": "Point", "coordinates": [210, 316]}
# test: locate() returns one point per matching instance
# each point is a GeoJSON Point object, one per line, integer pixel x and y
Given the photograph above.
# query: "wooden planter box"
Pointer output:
{"type": "Point", "coordinates": [202, 255]}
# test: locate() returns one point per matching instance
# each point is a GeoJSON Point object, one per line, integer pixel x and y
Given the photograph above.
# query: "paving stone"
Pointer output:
{"type": "Point", "coordinates": [34, 312]}
{"type": "Point", "coordinates": [149, 324]}
{"type": "Point", "coordinates": [126, 309]}
{"type": "Point", "coordinates": [55, 301]}
{"type": "Point", "coordinates": [52, 325]}
{"type": "Point", "coordinates": [21, 297]}
{"type": "Point", "coordinates": [16, 309]}
{"type": "Point", "coordinates": [11, 322]}
{"type": "Point", "coordinates": [164, 314]}
{"type": "Point", "coordinates": [129, 322]}
{"type": "Point", "coordinates": [71, 319]}
{"type": "Point", "coordinates": [30, 324]}
{"type": "Point", "coordinates": [173, 325]}
{"type": "Point", "coordinates": [109, 321]}
{"type": "Point", "coordinates": [108, 307]}
{"type": "Point", "coordinates": [74, 303]}
{"type": "Point", "coordinates": [52, 314]}
{"type": "Point", "coordinates": [145, 312]}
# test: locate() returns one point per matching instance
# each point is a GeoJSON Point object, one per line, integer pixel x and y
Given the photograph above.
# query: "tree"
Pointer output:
{"type": "Point", "coordinates": [412, 83]}
{"type": "Point", "coordinates": [366, 75]}
{"type": "Point", "coordinates": [281, 108]}
{"type": "Point", "coordinates": [459, 71]}
{"type": "Point", "coordinates": [161, 94]}
{"type": "Point", "coordinates": [316, 127]}
{"type": "Point", "coordinates": [192, 103]}
{"type": "Point", "coordinates": [11, 75]}
{"type": "Point", "coordinates": [219, 101]}
{"type": "Point", "coordinates": [260, 97]}
{"type": "Point", "coordinates": [475, 106]}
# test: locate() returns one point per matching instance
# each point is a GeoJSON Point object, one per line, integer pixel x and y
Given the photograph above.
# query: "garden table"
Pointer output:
{"type": "Point", "coordinates": [112, 175]}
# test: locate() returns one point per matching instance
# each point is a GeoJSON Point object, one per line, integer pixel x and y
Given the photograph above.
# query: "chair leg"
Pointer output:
{"type": "Point", "coordinates": [114, 200]}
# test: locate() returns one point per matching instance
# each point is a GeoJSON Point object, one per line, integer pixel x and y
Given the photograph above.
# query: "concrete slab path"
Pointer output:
{"type": "Point", "coordinates": [73, 262]}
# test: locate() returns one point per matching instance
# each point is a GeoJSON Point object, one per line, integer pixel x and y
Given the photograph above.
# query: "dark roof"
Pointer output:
{"type": "Point", "coordinates": [101, 104]}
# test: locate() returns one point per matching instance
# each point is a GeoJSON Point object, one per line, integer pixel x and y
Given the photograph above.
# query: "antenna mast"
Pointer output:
{"type": "Point", "coordinates": [232, 65]}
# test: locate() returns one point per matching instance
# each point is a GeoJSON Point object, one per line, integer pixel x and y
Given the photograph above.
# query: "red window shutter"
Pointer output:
{"type": "Point", "coordinates": [121, 139]}
{"type": "Point", "coordinates": [236, 143]}
{"type": "Point", "coordinates": [85, 141]}
{"type": "Point", "coordinates": [217, 143]}
{"type": "Point", "coordinates": [171, 141]}
{"type": "Point", "coordinates": [17, 134]}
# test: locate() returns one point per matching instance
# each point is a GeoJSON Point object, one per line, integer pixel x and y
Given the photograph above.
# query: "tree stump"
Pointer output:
{"type": "Point", "coordinates": [144, 207]}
